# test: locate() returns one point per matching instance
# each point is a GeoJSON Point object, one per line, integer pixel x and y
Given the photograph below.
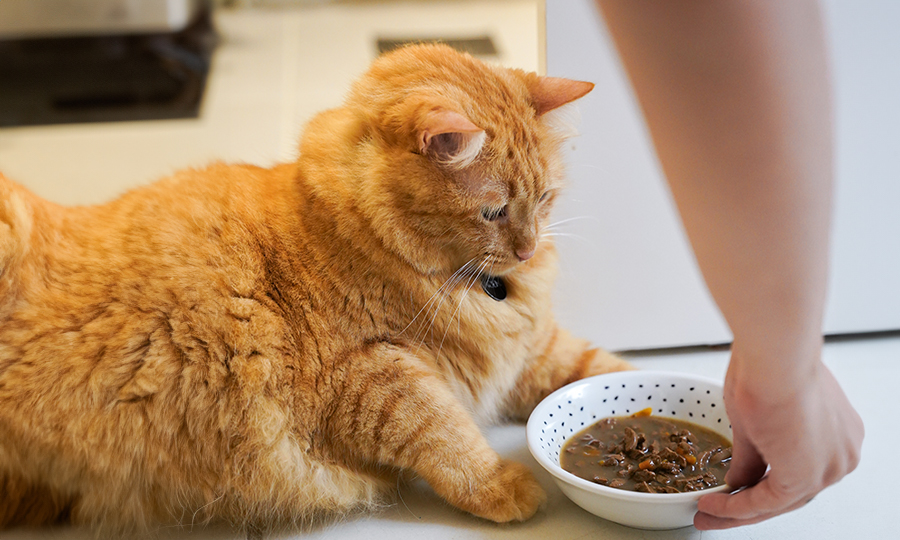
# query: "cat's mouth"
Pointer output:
{"type": "Point", "coordinates": [501, 267]}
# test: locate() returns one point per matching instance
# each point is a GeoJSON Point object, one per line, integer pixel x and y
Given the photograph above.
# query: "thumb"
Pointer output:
{"type": "Point", "coordinates": [747, 465]}
{"type": "Point", "coordinates": [746, 469]}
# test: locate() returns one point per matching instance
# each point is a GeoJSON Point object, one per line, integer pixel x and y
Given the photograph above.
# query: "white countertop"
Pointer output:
{"type": "Point", "coordinates": [857, 507]}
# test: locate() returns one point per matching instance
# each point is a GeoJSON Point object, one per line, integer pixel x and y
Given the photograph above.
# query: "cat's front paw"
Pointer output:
{"type": "Point", "coordinates": [605, 362]}
{"type": "Point", "coordinates": [512, 494]}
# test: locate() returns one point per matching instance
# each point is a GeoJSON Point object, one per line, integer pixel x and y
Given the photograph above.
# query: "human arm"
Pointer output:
{"type": "Point", "coordinates": [738, 104]}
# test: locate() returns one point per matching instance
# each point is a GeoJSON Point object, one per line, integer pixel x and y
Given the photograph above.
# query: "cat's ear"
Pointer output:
{"type": "Point", "coordinates": [450, 138]}
{"type": "Point", "coordinates": [548, 93]}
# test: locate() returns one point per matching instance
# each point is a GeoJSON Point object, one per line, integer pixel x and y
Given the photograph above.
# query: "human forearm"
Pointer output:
{"type": "Point", "coordinates": [739, 112]}
{"type": "Point", "coordinates": [736, 97]}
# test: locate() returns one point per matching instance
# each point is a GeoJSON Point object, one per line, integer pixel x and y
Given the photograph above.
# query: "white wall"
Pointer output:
{"type": "Point", "coordinates": [629, 279]}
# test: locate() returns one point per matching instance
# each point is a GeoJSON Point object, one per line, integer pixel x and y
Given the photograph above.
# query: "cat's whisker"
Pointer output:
{"type": "Point", "coordinates": [472, 274]}
{"type": "Point", "coordinates": [544, 235]}
{"type": "Point", "coordinates": [469, 285]}
{"type": "Point", "coordinates": [194, 516]}
{"type": "Point", "coordinates": [570, 235]}
{"type": "Point", "coordinates": [436, 293]}
{"type": "Point", "coordinates": [400, 495]}
{"type": "Point", "coordinates": [568, 220]}
{"type": "Point", "coordinates": [425, 330]}
{"type": "Point", "coordinates": [490, 272]}
{"type": "Point", "coordinates": [459, 276]}
{"type": "Point", "coordinates": [475, 272]}
{"type": "Point", "coordinates": [451, 283]}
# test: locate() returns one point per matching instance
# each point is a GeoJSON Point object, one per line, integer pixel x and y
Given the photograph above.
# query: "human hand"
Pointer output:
{"type": "Point", "coordinates": [804, 430]}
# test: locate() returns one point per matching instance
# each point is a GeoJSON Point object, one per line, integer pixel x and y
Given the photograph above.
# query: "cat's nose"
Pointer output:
{"type": "Point", "coordinates": [524, 254]}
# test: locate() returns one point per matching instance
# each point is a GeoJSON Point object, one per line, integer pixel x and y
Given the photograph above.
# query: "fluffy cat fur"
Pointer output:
{"type": "Point", "coordinates": [263, 346]}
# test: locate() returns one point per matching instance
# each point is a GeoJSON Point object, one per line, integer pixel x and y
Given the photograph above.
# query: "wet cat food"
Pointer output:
{"type": "Point", "coordinates": [648, 453]}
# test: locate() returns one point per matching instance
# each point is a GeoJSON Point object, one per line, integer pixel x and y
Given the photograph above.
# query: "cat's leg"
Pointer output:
{"type": "Point", "coordinates": [560, 360]}
{"type": "Point", "coordinates": [393, 410]}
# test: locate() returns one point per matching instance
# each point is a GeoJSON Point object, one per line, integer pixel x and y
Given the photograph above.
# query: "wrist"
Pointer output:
{"type": "Point", "coordinates": [772, 370]}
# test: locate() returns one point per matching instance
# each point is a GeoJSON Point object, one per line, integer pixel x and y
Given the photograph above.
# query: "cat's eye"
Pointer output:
{"type": "Point", "coordinates": [493, 214]}
{"type": "Point", "coordinates": [544, 197]}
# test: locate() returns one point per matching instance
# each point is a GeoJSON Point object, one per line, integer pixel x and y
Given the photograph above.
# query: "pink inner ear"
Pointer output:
{"type": "Point", "coordinates": [548, 93]}
{"type": "Point", "coordinates": [444, 121]}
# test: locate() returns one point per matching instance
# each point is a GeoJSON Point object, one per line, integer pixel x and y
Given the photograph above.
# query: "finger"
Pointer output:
{"type": "Point", "coordinates": [706, 522]}
{"type": "Point", "coordinates": [766, 497]}
{"type": "Point", "coordinates": [747, 466]}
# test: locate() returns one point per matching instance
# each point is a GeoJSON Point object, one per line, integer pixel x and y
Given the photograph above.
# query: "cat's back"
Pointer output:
{"type": "Point", "coordinates": [176, 266]}
{"type": "Point", "coordinates": [188, 226]}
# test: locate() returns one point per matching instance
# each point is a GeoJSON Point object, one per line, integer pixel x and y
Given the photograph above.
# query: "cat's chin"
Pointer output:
{"type": "Point", "coordinates": [504, 269]}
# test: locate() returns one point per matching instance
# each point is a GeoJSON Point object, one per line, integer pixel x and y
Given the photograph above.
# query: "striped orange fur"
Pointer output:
{"type": "Point", "coordinates": [266, 346]}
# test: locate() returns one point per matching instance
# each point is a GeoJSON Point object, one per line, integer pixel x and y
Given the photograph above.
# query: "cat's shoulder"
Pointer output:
{"type": "Point", "coordinates": [15, 204]}
{"type": "Point", "coordinates": [16, 219]}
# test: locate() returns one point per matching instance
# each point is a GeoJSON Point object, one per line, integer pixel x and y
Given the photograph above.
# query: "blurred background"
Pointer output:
{"type": "Point", "coordinates": [99, 96]}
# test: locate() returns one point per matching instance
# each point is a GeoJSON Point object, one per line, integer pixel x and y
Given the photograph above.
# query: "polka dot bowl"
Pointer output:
{"type": "Point", "coordinates": [571, 409]}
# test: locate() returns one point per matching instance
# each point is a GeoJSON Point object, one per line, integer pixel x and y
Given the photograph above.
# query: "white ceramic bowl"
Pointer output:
{"type": "Point", "coordinates": [572, 408]}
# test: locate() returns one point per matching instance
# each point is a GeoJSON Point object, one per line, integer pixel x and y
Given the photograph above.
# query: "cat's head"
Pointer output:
{"type": "Point", "coordinates": [462, 158]}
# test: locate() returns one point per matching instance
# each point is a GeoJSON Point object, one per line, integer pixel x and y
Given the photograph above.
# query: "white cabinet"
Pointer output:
{"type": "Point", "coordinates": [628, 278]}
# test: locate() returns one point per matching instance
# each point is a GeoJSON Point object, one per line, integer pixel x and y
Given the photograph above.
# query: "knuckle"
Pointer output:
{"type": "Point", "coordinates": [788, 490]}
{"type": "Point", "coordinates": [854, 457]}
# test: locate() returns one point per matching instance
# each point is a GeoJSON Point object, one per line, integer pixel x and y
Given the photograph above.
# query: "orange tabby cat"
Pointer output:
{"type": "Point", "coordinates": [267, 345]}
